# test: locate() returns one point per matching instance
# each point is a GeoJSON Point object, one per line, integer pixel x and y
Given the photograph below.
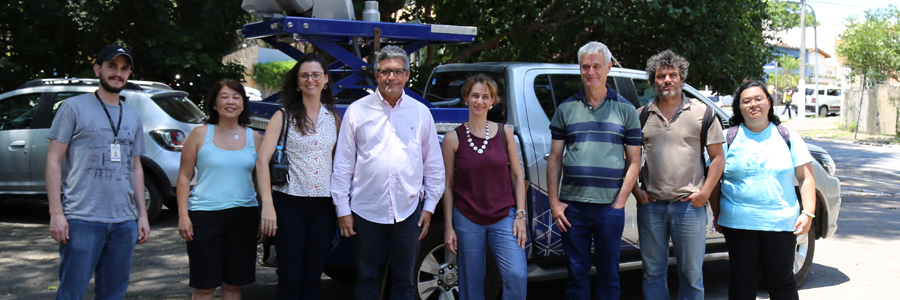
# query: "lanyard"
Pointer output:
{"type": "Point", "coordinates": [115, 129]}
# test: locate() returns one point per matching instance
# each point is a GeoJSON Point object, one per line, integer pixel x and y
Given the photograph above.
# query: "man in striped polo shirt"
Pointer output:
{"type": "Point", "coordinates": [601, 134]}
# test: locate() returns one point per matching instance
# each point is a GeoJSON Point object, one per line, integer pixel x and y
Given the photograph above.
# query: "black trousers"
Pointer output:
{"type": "Point", "coordinates": [302, 243]}
{"type": "Point", "coordinates": [751, 251]}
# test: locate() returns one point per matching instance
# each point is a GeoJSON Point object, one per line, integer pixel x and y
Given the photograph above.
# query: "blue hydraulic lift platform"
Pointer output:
{"type": "Point", "coordinates": [332, 36]}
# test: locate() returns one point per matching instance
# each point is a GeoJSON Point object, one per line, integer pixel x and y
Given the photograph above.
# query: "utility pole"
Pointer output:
{"type": "Point", "coordinates": [801, 84]}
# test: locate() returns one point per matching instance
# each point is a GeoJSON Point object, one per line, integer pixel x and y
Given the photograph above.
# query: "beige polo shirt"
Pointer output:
{"type": "Point", "coordinates": [672, 168]}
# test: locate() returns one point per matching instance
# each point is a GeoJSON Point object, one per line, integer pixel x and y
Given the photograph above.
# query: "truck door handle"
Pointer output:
{"type": "Point", "coordinates": [20, 144]}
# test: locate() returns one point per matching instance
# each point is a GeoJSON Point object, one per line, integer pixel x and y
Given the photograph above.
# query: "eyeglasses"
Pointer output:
{"type": "Point", "coordinates": [315, 76]}
{"type": "Point", "coordinates": [387, 72]}
{"type": "Point", "coordinates": [757, 100]}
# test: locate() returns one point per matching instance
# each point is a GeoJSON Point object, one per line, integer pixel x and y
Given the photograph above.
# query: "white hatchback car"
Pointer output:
{"type": "Point", "coordinates": [27, 112]}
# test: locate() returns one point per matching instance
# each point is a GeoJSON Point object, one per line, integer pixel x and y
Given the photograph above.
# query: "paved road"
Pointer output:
{"type": "Point", "coordinates": [859, 262]}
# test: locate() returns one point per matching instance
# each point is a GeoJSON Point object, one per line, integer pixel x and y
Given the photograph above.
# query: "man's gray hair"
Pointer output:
{"type": "Point", "coordinates": [389, 52]}
{"type": "Point", "coordinates": [667, 59]}
{"type": "Point", "coordinates": [594, 48]}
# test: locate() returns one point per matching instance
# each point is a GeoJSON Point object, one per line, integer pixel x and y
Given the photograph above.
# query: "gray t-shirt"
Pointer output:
{"type": "Point", "coordinates": [96, 188]}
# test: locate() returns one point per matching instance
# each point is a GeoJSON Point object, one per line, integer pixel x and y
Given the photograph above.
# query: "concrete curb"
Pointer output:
{"type": "Point", "coordinates": [818, 139]}
{"type": "Point", "coordinates": [859, 193]}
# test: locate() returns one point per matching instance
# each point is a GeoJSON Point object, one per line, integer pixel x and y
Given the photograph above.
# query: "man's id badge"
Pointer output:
{"type": "Point", "coordinates": [115, 153]}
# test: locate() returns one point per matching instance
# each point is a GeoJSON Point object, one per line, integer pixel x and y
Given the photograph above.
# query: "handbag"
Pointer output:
{"type": "Point", "coordinates": [280, 165]}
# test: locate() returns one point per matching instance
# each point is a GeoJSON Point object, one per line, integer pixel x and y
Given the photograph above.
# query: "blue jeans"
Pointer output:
{"type": "Point", "coordinates": [510, 257]}
{"type": "Point", "coordinates": [602, 225]}
{"type": "Point", "coordinates": [403, 240]}
{"type": "Point", "coordinates": [101, 249]}
{"type": "Point", "coordinates": [686, 225]}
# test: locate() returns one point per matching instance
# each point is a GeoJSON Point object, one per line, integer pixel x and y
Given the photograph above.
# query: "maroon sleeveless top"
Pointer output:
{"type": "Point", "coordinates": [482, 189]}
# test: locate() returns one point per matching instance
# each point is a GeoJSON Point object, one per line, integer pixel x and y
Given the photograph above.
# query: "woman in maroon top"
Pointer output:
{"type": "Point", "coordinates": [486, 194]}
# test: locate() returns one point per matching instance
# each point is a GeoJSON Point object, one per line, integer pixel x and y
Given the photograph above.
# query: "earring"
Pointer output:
{"type": "Point", "coordinates": [325, 88]}
{"type": "Point", "coordinates": [298, 88]}
{"type": "Point", "coordinates": [490, 107]}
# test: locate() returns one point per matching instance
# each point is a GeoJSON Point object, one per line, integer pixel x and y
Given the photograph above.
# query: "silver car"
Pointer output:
{"type": "Point", "coordinates": [27, 112]}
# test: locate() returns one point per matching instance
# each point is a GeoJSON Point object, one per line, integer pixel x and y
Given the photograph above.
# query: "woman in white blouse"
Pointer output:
{"type": "Point", "coordinates": [300, 214]}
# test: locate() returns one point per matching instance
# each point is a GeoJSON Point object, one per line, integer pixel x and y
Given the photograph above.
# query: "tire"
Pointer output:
{"type": "Point", "coordinates": [437, 271]}
{"type": "Point", "coordinates": [803, 255]}
{"type": "Point", "coordinates": [153, 198]}
{"type": "Point", "coordinates": [823, 111]}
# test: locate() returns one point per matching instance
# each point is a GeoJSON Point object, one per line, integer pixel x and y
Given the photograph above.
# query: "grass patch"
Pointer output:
{"type": "Point", "coordinates": [825, 133]}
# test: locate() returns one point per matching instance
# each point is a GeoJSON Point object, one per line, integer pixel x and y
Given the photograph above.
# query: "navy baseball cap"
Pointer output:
{"type": "Point", "coordinates": [111, 51]}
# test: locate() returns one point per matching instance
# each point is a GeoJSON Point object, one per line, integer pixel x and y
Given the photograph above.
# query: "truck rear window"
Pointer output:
{"type": "Point", "coordinates": [444, 90]}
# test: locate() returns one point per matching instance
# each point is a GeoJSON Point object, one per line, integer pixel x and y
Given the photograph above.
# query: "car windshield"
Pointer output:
{"type": "Point", "coordinates": [180, 107]}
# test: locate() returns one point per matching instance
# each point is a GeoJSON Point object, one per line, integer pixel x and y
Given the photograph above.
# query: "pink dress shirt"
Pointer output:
{"type": "Point", "coordinates": [387, 159]}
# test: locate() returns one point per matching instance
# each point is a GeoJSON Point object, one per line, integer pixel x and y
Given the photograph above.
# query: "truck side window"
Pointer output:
{"type": "Point", "coordinates": [17, 112]}
{"type": "Point", "coordinates": [544, 93]}
{"type": "Point", "coordinates": [553, 89]}
{"type": "Point", "coordinates": [644, 90]}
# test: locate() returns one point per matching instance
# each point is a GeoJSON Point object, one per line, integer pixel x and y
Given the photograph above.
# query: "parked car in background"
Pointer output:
{"type": "Point", "coordinates": [827, 101]}
{"type": "Point", "coordinates": [27, 112]}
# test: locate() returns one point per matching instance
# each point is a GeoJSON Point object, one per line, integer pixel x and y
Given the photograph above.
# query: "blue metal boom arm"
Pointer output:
{"type": "Point", "coordinates": [328, 34]}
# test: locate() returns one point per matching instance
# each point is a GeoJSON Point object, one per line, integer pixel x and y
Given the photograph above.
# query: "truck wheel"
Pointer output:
{"type": "Point", "coordinates": [803, 255]}
{"type": "Point", "coordinates": [153, 198]}
{"type": "Point", "coordinates": [823, 111]}
{"type": "Point", "coordinates": [437, 271]}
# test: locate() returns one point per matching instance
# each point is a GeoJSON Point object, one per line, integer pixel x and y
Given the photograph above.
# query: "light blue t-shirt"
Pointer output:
{"type": "Point", "coordinates": [224, 177]}
{"type": "Point", "coordinates": [758, 182]}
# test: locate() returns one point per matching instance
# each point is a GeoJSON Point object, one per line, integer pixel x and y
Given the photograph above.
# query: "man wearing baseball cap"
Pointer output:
{"type": "Point", "coordinates": [97, 214]}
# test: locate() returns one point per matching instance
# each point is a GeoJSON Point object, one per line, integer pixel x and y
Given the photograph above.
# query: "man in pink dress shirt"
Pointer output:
{"type": "Point", "coordinates": [388, 177]}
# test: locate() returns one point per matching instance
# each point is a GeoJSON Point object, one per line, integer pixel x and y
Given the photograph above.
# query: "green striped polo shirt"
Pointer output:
{"type": "Point", "coordinates": [594, 163]}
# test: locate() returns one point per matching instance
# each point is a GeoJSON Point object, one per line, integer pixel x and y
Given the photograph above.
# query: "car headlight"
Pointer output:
{"type": "Point", "coordinates": [170, 139]}
{"type": "Point", "coordinates": [825, 160]}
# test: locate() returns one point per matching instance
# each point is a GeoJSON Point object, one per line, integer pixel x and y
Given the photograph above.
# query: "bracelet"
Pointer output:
{"type": "Point", "coordinates": [521, 211]}
{"type": "Point", "coordinates": [521, 218]}
{"type": "Point", "coordinates": [808, 214]}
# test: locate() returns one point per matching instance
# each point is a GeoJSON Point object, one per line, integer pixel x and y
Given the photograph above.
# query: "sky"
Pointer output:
{"type": "Point", "coordinates": [834, 12]}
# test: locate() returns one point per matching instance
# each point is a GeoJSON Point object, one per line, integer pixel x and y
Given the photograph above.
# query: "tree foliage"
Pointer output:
{"type": "Point", "coordinates": [871, 47]}
{"type": "Point", "coordinates": [785, 15]}
{"type": "Point", "coordinates": [723, 40]}
{"type": "Point", "coordinates": [788, 72]}
{"type": "Point", "coordinates": [271, 74]}
{"type": "Point", "coordinates": [59, 38]}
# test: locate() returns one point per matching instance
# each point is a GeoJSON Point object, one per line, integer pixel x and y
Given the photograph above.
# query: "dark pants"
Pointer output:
{"type": "Point", "coordinates": [787, 108]}
{"type": "Point", "coordinates": [224, 247]}
{"type": "Point", "coordinates": [602, 225]}
{"type": "Point", "coordinates": [770, 251]}
{"type": "Point", "coordinates": [403, 239]}
{"type": "Point", "coordinates": [302, 243]}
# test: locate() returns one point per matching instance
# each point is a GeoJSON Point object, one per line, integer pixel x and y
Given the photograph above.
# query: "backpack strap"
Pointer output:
{"type": "Point", "coordinates": [645, 114]}
{"type": "Point", "coordinates": [785, 134]}
{"type": "Point", "coordinates": [731, 134]}
{"type": "Point", "coordinates": [708, 119]}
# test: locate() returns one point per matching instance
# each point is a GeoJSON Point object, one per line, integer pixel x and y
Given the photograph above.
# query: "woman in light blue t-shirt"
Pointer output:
{"type": "Point", "coordinates": [219, 217]}
{"type": "Point", "coordinates": [759, 212]}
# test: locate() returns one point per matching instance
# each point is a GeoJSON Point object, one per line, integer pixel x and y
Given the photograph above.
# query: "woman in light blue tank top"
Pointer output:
{"type": "Point", "coordinates": [219, 217]}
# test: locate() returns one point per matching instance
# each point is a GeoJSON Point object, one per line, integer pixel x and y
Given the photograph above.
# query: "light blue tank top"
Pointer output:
{"type": "Point", "coordinates": [224, 177]}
